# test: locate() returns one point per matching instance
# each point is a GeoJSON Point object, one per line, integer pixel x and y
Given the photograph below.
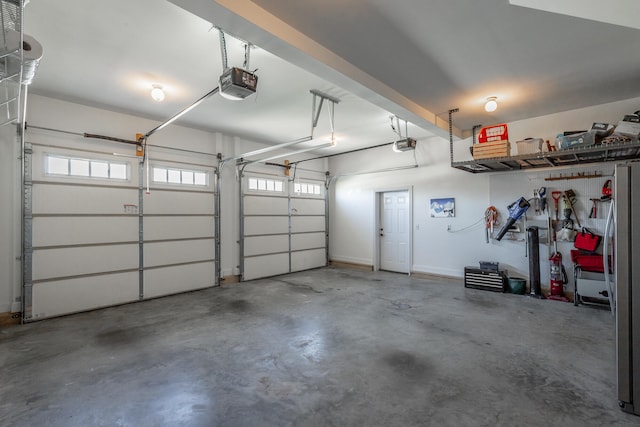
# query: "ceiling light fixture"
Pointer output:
{"type": "Point", "coordinates": [157, 94]}
{"type": "Point", "coordinates": [491, 105]}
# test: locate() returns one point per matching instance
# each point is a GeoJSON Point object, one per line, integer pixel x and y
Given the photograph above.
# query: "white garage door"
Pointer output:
{"type": "Point", "coordinates": [283, 225]}
{"type": "Point", "coordinates": [86, 244]}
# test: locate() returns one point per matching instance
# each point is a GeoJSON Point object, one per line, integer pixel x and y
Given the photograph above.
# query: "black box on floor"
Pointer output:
{"type": "Point", "coordinates": [488, 280]}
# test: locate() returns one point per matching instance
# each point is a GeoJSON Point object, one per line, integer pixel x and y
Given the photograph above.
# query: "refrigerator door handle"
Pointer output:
{"type": "Point", "coordinates": [610, 225]}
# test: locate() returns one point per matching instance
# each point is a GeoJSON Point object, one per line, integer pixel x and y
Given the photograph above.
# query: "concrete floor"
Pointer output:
{"type": "Point", "coordinates": [330, 347]}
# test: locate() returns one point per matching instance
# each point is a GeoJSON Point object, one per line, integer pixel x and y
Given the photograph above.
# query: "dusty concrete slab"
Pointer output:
{"type": "Point", "coordinates": [334, 347]}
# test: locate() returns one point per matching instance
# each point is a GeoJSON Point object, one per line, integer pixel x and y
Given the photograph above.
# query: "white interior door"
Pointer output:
{"type": "Point", "coordinates": [394, 231]}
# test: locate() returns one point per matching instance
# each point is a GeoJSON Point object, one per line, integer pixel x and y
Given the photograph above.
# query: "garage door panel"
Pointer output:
{"type": "Point", "coordinates": [75, 199]}
{"type": "Point", "coordinates": [308, 241]}
{"type": "Point", "coordinates": [163, 253]}
{"type": "Point", "coordinates": [176, 279]}
{"type": "Point", "coordinates": [64, 262]}
{"type": "Point", "coordinates": [308, 206]}
{"type": "Point", "coordinates": [301, 224]}
{"type": "Point", "coordinates": [79, 294]}
{"type": "Point", "coordinates": [306, 260]}
{"type": "Point", "coordinates": [265, 266]}
{"type": "Point", "coordinates": [50, 231]}
{"type": "Point", "coordinates": [86, 243]}
{"type": "Point", "coordinates": [259, 245]}
{"type": "Point", "coordinates": [256, 205]}
{"type": "Point", "coordinates": [177, 202]}
{"type": "Point", "coordinates": [159, 228]}
{"type": "Point", "coordinates": [258, 225]}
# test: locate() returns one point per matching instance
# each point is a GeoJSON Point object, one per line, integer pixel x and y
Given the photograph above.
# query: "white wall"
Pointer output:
{"type": "Point", "coordinates": [435, 250]}
{"type": "Point", "coordinates": [352, 216]}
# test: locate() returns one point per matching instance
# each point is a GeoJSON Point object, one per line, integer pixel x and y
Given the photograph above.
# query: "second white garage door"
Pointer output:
{"type": "Point", "coordinates": [283, 225]}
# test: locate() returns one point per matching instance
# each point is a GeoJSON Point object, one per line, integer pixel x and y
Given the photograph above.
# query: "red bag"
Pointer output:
{"type": "Point", "coordinates": [587, 241]}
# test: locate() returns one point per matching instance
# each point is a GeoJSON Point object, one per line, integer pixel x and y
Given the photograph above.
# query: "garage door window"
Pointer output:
{"type": "Point", "coordinates": [179, 176]}
{"type": "Point", "coordinates": [266, 185]}
{"type": "Point", "coordinates": [85, 168]}
{"type": "Point", "coordinates": [306, 188]}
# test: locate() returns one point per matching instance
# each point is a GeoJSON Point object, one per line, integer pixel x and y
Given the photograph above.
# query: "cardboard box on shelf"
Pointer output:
{"type": "Point", "coordinates": [487, 150]}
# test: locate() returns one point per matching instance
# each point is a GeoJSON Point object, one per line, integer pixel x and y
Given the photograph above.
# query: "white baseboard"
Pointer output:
{"type": "Point", "coordinates": [351, 260]}
{"type": "Point", "coordinates": [429, 269]}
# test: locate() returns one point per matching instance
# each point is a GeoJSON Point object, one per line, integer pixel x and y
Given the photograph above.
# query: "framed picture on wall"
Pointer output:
{"type": "Point", "coordinates": [443, 208]}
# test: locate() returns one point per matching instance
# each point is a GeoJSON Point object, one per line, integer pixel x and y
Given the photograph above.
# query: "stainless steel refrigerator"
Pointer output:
{"type": "Point", "coordinates": [624, 220]}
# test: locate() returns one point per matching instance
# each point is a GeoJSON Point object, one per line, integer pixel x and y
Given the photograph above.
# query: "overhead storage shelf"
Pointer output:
{"type": "Point", "coordinates": [569, 157]}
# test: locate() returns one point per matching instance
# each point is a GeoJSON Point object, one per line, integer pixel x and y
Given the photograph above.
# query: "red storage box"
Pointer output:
{"type": "Point", "coordinates": [589, 262]}
{"type": "Point", "coordinates": [493, 133]}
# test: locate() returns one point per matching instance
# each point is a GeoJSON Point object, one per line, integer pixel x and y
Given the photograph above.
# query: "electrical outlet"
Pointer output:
{"type": "Point", "coordinates": [449, 227]}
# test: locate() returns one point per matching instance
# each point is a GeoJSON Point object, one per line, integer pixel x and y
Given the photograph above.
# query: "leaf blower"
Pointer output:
{"type": "Point", "coordinates": [516, 210]}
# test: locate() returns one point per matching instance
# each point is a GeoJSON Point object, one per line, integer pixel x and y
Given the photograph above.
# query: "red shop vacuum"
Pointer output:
{"type": "Point", "coordinates": [557, 277]}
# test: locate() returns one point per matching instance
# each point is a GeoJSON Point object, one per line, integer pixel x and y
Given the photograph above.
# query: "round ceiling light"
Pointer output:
{"type": "Point", "coordinates": [157, 94]}
{"type": "Point", "coordinates": [491, 105]}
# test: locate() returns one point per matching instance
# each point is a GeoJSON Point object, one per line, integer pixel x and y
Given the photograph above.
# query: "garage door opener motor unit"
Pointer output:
{"type": "Point", "coordinates": [405, 144]}
{"type": "Point", "coordinates": [236, 83]}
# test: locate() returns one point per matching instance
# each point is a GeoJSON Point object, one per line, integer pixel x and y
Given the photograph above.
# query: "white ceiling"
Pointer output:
{"type": "Point", "coordinates": [412, 58]}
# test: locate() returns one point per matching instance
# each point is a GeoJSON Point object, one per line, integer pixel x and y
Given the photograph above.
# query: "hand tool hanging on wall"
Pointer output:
{"type": "Point", "coordinates": [556, 197]}
{"type": "Point", "coordinates": [516, 210]}
{"type": "Point", "coordinates": [570, 197]}
{"type": "Point", "coordinates": [542, 193]}
{"type": "Point", "coordinates": [536, 202]}
{"type": "Point", "coordinates": [594, 208]}
{"type": "Point", "coordinates": [606, 196]}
